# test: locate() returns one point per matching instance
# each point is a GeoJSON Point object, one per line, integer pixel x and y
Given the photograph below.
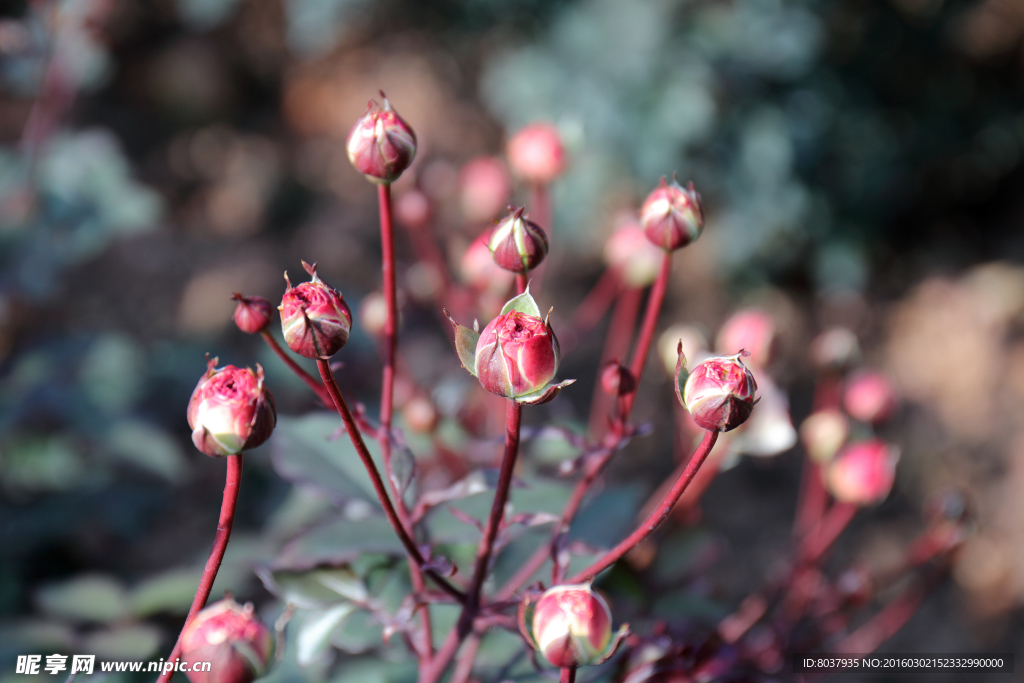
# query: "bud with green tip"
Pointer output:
{"type": "Point", "coordinates": [671, 216]}
{"type": "Point", "coordinates": [517, 244]}
{"type": "Point", "coordinates": [231, 637]}
{"type": "Point", "coordinates": [571, 626]}
{"type": "Point", "coordinates": [230, 410]}
{"type": "Point", "coordinates": [381, 145]}
{"type": "Point", "coordinates": [718, 393]}
{"type": "Point", "coordinates": [315, 319]}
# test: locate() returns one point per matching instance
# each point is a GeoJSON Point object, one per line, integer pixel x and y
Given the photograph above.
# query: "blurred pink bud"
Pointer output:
{"type": "Point", "coordinates": [823, 433]}
{"type": "Point", "coordinates": [616, 379]}
{"type": "Point", "coordinates": [869, 396]}
{"type": "Point", "coordinates": [536, 153]}
{"type": "Point", "coordinates": [373, 313]}
{"type": "Point", "coordinates": [479, 270]}
{"type": "Point", "coordinates": [516, 355]}
{"type": "Point", "coordinates": [628, 250]}
{"type": "Point", "coordinates": [517, 243]}
{"type": "Point", "coordinates": [572, 626]}
{"type": "Point", "coordinates": [484, 188]}
{"type": "Point", "coordinates": [230, 410]}
{"type": "Point", "coordinates": [381, 145]}
{"type": "Point", "coordinates": [862, 473]}
{"type": "Point", "coordinates": [751, 329]}
{"type": "Point", "coordinates": [232, 638]}
{"type": "Point", "coordinates": [252, 314]}
{"type": "Point", "coordinates": [420, 414]}
{"type": "Point", "coordinates": [314, 316]}
{"type": "Point", "coordinates": [719, 393]}
{"type": "Point", "coordinates": [671, 216]}
{"type": "Point", "coordinates": [834, 349]}
{"type": "Point", "coordinates": [412, 210]}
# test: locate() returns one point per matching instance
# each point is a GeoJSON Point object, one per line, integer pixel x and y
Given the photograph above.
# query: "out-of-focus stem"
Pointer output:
{"type": "Point", "coordinates": [821, 538]}
{"type": "Point", "coordinates": [220, 544]}
{"type": "Point", "coordinates": [466, 659]}
{"type": "Point", "coordinates": [596, 303]}
{"type": "Point", "coordinates": [568, 675]}
{"type": "Point", "coordinates": [813, 498]}
{"type": "Point", "coordinates": [656, 517]}
{"type": "Point", "coordinates": [540, 213]}
{"type": "Point", "coordinates": [378, 485]}
{"type": "Point", "coordinates": [648, 326]}
{"type": "Point", "coordinates": [520, 283]}
{"type": "Point", "coordinates": [616, 345]}
{"type": "Point", "coordinates": [310, 381]}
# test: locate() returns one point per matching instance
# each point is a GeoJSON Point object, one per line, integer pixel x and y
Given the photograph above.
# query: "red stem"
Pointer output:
{"type": "Point", "coordinates": [657, 517]}
{"type": "Point", "coordinates": [647, 328]}
{"type": "Point", "coordinates": [821, 538]}
{"type": "Point", "coordinates": [568, 675]}
{"type": "Point", "coordinates": [378, 485]}
{"type": "Point", "coordinates": [220, 544]}
{"type": "Point", "coordinates": [464, 664]}
{"type": "Point", "coordinates": [597, 301]}
{"type": "Point", "coordinates": [813, 498]}
{"type": "Point", "coordinates": [520, 283]}
{"type": "Point", "coordinates": [616, 346]}
{"type": "Point", "coordinates": [294, 367]}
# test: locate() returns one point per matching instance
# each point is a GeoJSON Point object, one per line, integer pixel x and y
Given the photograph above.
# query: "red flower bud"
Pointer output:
{"type": "Point", "coordinates": [629, 251]}
{"type": "Point", "coordinates": [381, 145]}
{"type": "Point", "coordinates": [517, 354]}
{"type": "Point", "coordinates": [616, 379]}
{"type": "Point", "coordinates": [671, 216]}
{"type": "Point", "coordinates": [719, 393]}
{"type": "Point", "coordinates": [517, 243]}
{"type": "Point", "coordinates": [536, 154]}
{"type": "Point", "coordinates": [252, 314]}
{"type": "Point", "coordinates": [314, 317]}
{"type": "Point", "coordinates": [824, 433]}
{"type": "Point", "coordinates": [863, 473]}
{"type": "Point", "coordinates": [572, 626]}
{"type": "Point", "coordinates": [869, 396]}
{"type": "Point", "coordinates": [484, 188]}
{"type": "Point", "coordinates": [229, 636]}
{"type": "Point", "coordinates": [751, 329]}
{"type": "Point", "coordinates": [230, 410]}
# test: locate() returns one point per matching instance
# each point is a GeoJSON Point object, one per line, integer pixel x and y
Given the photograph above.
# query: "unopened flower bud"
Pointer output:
{"type": "Point", "coordinates": [412, 210]}
{"type": "Point", "coordinates": [536, 153]}
{"type": "Point", "coordinates": [632, 254]}
{"type": "Point", "coordinates": [231, 637]}
{"type": "Point", "coordinates": [862, 473]}
{"type": "Point", "coordinates": [517, 244]}
{"type": "Point", "coordinates": [314, 317]}
{"type": "Point", "coordinates": [230, 410]}
{"type": "Point", "coordinates": [381, 145]}
{"type": "Point", "coordinates": [572, 626]}
{"type": "Point", "coordinates": [671, 216]}
{"type": "Point", "coordinates": [616, 379]}
{"type": "Point", "coordinates": [719, 393]}
{"type": "Point", "coordinates": [869, 396]}
{"type": "Point", "coordinates": [823, 433]}
{"type": "Point", "coordinates": [751, 329]}
{"type": "Point", "coordinates": [484, 188]}
{"type": "Point", "coordinates": [420, 414]}
{"type": "Point", "coordinates": [252, 314]}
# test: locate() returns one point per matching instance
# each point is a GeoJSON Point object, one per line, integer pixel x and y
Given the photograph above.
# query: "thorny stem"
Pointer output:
{"type": "Point", "coordinates": [387, 242]}
{"type": "Point", "coordinates": [297, 369]}
{"type": "Point", "coordinates": [378, 485]}
{"type": "Point", "coordinates": [220, 544]}
{"type": "Point", "coordinates": [568, 675]}
{"type": "Point", "coordinates": [657, 517]}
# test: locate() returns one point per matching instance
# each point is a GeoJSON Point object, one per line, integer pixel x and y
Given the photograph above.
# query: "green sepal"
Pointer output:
{"type": "Point", "coordinates": [523, 303]}
{"type": "Point", "coordinates": [465, 344]}
{"type": "Point", "coordinates": [682, 374]}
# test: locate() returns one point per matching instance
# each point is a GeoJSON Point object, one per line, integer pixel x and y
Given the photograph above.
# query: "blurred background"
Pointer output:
{"type": "Point", "coordinates": [860, 166]}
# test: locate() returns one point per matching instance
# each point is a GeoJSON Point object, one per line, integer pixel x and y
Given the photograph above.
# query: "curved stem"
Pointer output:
{"type": "Point", "coordinates": [657, 517]}
{"type": "Point", "coordinates": [220, 544]}
{"type": "Point", "coordinates": [297, 369]}
{"type": "Point", "coordinates": [378, 485]}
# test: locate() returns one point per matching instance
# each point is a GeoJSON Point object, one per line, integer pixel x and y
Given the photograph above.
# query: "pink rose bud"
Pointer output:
{"type": "Point", "coordinates": [751, 329]}
{"type": "Point", "coordinates": [823, 433]}
{"type": "Point", "coordinates": [314, 317]}
{"type": "Point", "coordinates": [478, 269]}
{"type": "Point", "coordinates": [719, 393]}
{"type": "Point", "coordinates": [517, 244]}
{"type": "Point", "coordinates": [232, 638]}
{"type": "Point", "coordinates": [572, 626]}
{"type": "Point", "coordinates": [671, 216]}
{"type": "Point", "coordinates": [252, 314]}
{"type": "Point", "coordinates": [862, 473]}
{"type": "Point", "coordinates": [420, 414]}
{"type": "Point", "coordinates": [230, 410]}
{"type": "Point", "coordinates": [381, 144]}
{"type": "Point", "coordinates": [517, 354]}
{"type": "Point", "coordinates": [630, 252]}
{"type": "Point", "coordinates": [484, 189]}
{"type": "Point", "coordinates": [412, 210]}
{"type": "Point", "coordinates": [616, 379]}
{"type": "Point", "coordinates": [536, 153]}
{"type": "Point", "coordinates": [870, 396]}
